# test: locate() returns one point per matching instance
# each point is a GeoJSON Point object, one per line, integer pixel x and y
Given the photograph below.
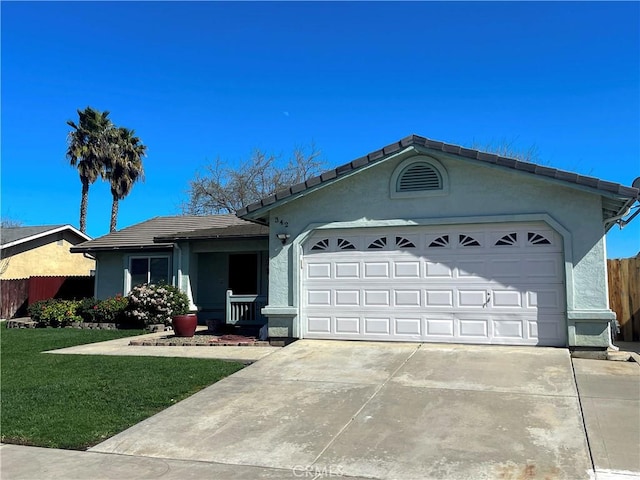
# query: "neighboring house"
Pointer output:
{"type": "Point", "coordinates": [418, 241]}
{"type": "Point", "coordinates": [42, 250]}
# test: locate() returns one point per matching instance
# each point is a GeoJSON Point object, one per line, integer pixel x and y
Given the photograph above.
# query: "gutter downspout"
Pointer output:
{"type": "Point", "coordinates": [615, 219]}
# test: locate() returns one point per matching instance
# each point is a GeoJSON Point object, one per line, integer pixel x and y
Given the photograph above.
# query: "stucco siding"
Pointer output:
{"type": "Point", "coordinates": [110, 274]}
{"type": "Point", "coordinates": [475, 191]}
{"type": "Point", "coordinates": [45, 256]}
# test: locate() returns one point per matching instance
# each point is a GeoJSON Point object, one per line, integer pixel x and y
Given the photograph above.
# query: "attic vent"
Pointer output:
{"type": "Point", "coordinates": [419, 177]}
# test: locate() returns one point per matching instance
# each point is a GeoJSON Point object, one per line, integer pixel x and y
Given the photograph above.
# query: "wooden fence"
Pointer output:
{"type": "Point", "coordinates": [17, 295]}
{"type": "Point", "coordinates": [624, 296]}
{"type": "Point", "coordinates": [14, 296]}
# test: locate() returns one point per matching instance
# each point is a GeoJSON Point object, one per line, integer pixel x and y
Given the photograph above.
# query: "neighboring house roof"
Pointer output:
{"type": "Point", "coordinates": [12, 236]}
{"type": "Point", "coordinates": [616, 198]}
{"type": "Point", "coordinates": [141, 235]}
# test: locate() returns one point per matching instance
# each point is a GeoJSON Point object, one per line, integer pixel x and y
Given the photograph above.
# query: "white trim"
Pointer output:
{"type": "Point", "coordinates": [44, 234]}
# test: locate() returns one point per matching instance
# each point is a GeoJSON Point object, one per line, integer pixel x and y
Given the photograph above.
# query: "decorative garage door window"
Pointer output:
{"type": "Point", "coordinates": [405, 239]}
{"type": "Point", "coordinates": [497, 283]}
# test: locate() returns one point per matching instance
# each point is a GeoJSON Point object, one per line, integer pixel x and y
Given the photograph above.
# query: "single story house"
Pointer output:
{"type": "Point", "coordinates": [418, 241]}
{"type": "Point", "coordinates": [42, 250]}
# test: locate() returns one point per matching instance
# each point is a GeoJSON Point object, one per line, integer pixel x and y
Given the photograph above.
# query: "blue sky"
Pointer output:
{"type": "Point", "coordinates": [204, 80]}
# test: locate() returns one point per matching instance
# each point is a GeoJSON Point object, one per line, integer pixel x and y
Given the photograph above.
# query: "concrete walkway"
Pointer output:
{"type": "Point", "coordinates": [610, 398]}
{"type": "Point", "coordinates": [121, 347]}
{"type": "Point", "coordinates": [322, 409]}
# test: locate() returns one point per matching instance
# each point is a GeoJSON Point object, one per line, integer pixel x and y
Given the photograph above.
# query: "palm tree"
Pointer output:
{"type": "Point", "coordinates": [124, 167]}
{"type": "Point", "coordinates": [87, 149]}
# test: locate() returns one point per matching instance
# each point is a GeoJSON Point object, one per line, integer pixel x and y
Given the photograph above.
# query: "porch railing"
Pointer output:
{"type": "Point", "coordinates": [245, 309]}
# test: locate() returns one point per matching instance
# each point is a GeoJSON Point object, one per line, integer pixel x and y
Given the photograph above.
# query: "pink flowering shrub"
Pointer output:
{"type": "Point", "coordinates": [150, 304]}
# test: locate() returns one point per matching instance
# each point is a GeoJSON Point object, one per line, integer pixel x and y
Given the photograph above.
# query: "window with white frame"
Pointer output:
{"type": "Point", "coordinates": [148, 270]}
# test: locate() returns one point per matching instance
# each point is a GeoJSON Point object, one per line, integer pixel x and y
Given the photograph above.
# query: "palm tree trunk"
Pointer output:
{"type": "Point", "coordinates": [83, 205]}
{"type": "Point", "coordinates": [114, 214]}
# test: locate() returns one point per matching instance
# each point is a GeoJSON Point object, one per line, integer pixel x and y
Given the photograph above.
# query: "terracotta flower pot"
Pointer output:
{"type": "Point", "coordinates": [185, 325]}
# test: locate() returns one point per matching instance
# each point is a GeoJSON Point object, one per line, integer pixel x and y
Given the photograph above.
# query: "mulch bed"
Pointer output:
{"type": "Point", "coordinates": [204, 339]}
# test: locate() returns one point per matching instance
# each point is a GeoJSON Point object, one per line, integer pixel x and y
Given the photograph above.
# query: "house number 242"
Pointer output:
{"type": "Point", "coordinates": [281, 221]}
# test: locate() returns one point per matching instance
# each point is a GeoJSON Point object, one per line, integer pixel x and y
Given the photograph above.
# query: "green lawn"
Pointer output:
{"type": "Point", "coordinates": [76, 401]}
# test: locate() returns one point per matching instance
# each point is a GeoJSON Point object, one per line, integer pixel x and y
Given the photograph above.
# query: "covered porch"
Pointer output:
{"type": "Point", "coordinates": [224, 272]}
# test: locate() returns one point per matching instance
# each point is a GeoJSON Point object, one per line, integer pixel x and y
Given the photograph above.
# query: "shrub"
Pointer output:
{"type": "Point", "coordinates": [87, 309]}
{"type": "Point", "coordinates": [111, 310]}
{"type": "Point", "coordinates": [36, 311]}
{"type": "Point", "coordinates": [152, 304]}
{"type": "Point", "coordinates": [55, 313]}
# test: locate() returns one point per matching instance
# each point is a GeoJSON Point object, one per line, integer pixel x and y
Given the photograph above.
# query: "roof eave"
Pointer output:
{"type": "Point", "coordinates": [211, 237]}
{"type": "Point", "coordinates": [113, 248]}
{"type": "Point", "coordinates": [257, 213]}
{"type": "Point", "coordinates": [46, 233]}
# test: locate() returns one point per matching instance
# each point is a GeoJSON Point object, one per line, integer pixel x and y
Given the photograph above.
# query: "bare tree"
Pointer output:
{"type": "Point", "coordinates": [10, 223]}
{"type": "Point", "coordinates": [220, 188]}
{"type": "Point", "coordinates": [506, 148]}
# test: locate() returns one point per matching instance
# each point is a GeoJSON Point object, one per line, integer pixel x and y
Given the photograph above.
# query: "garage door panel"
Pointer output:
{"type": "Point", "coordinates": [438, 270]}
{"type": "Point", "coordinates": [376, 297]}
{"type": "Point", "coordinates": [541, 268]}
{"type": "Point", "coordinates": [548, 329]}
{"type": "Point", "coordinates": [348, 325]}
{"type": "Point", "coordinates": [472, 269]}
{"type": "Point", "coordinates": [319, 297]}
{"type": "Point", "coordinates": [347, 270]}
{"type": "Point", "coordinates": [545, 299]}
{"type": "Point", "coordinates": [407, 298]}
{"type": "Point", "coordinates": [471, 297]}
{"type": "Point", "coordinates": [376, 270]}
{"type": "Point", "coordinates": [470, 327]}
{"type": "Point", "coordinates": [377, 326]}
{"type": "Point", "coordinates": [320, 325]}
{"type": "Point", "coordinates": [439, 298]}
{"type": "Point", "coordinates": [319, 270]}
{"type": "Point", "coordinates": [435, 284]}
{"type": "Point", "coordinates": [407, 269]}
{"type": "Point", "coordinates": [508, 328]}
{"type": "Point", "coordinates": [347, 298]}
{"type": "Point", "coordinates": [408, 326]}
{"type": "Point", "coordinates": [508, 269]}
{"type": "Point", "coordinates": [506, 298]}
{"type": "Point", "coordinates": [440, 326]}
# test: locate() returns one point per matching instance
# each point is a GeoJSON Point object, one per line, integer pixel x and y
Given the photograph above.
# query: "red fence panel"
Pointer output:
{"type": "Point", "coordinates": [67, 287]}
{"type": "Point", "coordinates": [42, 288]}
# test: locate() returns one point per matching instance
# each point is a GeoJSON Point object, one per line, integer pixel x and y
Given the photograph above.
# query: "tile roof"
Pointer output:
{"type": "Point", "coordinates": [248, 230]}
{"type": "Point", "coordinates": [10, 236]}
{"type": "Point", "coordinates": [141, 235]}
{"type": "Point", "coordinates": [601, 186]}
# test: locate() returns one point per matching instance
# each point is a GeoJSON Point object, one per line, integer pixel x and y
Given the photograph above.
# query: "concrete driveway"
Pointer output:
{"type": "Point", "coordinates": [323, 409]}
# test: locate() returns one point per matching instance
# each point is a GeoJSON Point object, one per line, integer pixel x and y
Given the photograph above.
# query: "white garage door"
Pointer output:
{"type": "Point", "coordinates": [464, 284]}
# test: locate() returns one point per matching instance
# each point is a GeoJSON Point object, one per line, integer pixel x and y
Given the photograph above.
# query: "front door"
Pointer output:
{"type": "Point", "coordinates": [243, 273]}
